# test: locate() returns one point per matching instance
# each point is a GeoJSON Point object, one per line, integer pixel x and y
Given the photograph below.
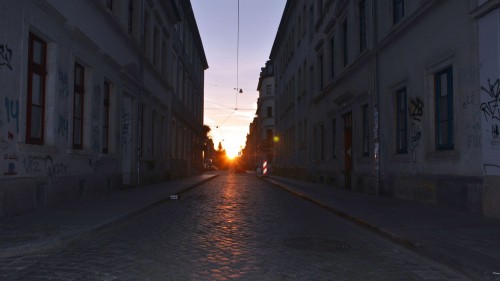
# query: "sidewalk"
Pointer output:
{"type": "Point", "coordinates": [58, 225]}
{"type": "Point", "coordinates": [467, 242]}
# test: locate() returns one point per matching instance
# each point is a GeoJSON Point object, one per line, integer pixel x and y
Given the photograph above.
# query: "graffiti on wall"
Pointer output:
{"type": "Point", "coordinates": [10, 160]}
{"type": "Point", "coordinates": [63, 125]}
{"type": "Point", "coordinates": [63, 84]}
{"type": "Point", "coordinates": [491, 112]}
{"type": "Point", "coordinates": [5, 56]}
{"type": "Point", "coordinates": [416, 110]}
{"type": "Point", "coordinates": [125, 131]}
{"type": "Point", "coordinates": [491, 107]}
{"type": "Point", "coordinates": [12, 111]}
{"type": "Point", "coordinates": [62, 128]}
{"type": "Point", "coordinates": [47, 166]}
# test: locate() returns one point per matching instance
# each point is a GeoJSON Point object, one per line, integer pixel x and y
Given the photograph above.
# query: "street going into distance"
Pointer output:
{"type": "Point", "coordinates": [234, 227]}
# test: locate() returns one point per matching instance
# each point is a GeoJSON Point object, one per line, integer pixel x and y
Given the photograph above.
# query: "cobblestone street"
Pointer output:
{"type": "Point", "coordinates": [235, 227]}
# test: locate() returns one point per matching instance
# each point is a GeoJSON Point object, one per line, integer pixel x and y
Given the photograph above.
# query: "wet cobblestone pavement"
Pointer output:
{"type": "Point", "coordinates": [235, 227]}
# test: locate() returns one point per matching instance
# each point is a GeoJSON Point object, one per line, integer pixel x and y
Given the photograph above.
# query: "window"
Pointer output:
{"type": "Point", "coordinates": [311, 79]}
{"type": "Point", "coordinates": [397, 10]}
{"type": "Point", "coordinates": [156, 47]}
{"type": "Point", "coordinates": [401, 122]}
{"type": "Point", "coordinates": [320, 8]}
{"type": "Point", "coordinates": [164, 56]}
{"type": "Point", "coordinates": [146, 41]}
{"type": "Point", "coordinates": [130, 16]}
{"type": "Point", "coordinates": [362, 25]}
{"type": "Point", "coordinates": [109, 4]}
{"type": "Point", "coordinates": [334, 136]}
{"type": "Point", "coordinates": [105, 118]}
{"type": "Point", "coordinates": [366, 131]}
{"type": "Point", "coordinates": [311, 20]}
{"type": "Point", "coordinates": [78, 96]}
{"type": "Point", "coordinates": [269, 111]}
{"type": "Point", "coordinates": [154, 134]}
{"type": "Point", "coordinates": [332, 56]}
{"type": "Point", "coordinates": [180, 75]}
{"type": "Point", "coordinates": [443, 87]}
{"type": "Point", "coordinates": [345, 46]}
{"type": "Point", "coordinates": [304, 21]}
{"type": "Point", "coordinates": [174, 71]}
{"type": "Point", "coordinates": [37, 73]}
{"type": "Point", "coordinates": [141, 140]}
{"type": "Point", "coordinates": [269, 89]}
{"type": "Point", "coordinates": [322, 141]}
{"type": "Point", "coordinates": [321, 74]}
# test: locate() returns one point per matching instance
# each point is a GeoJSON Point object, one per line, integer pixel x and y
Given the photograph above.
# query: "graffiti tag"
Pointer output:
{"type": "Point", "coordinates": [5, 56]}
{"type": "Point", "coordinates": [12, 111]}
{"type": "Point", "coordinates": [35, 164]}
{"type": "Point", "coordinates": [491, 108]}
{"type": "Point", "coordinates": [63, 84]}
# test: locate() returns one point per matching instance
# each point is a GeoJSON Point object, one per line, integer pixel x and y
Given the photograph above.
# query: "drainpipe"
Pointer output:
{"type": "Point", "coordinates": [141, 86]}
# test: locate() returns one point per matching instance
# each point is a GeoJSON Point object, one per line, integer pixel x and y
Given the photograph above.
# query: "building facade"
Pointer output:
{"type": "Point", "coordinates": [385, 97]}
{"type": "Point", "coordinates": [266, 110]}
{"type": "Point", "coordinates": [97, 94]}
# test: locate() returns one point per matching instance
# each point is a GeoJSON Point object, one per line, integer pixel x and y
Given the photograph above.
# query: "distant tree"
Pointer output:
{"type": "Point", "coordinates": [221, 157]}
{"type": "Point", "coordinates": [206, 131]}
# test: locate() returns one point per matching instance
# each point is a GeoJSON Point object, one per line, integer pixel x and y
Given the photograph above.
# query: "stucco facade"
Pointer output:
{"type": "Point", "coordinates": [391, 97]}
{"type": "Point", "coordinates": [83, 112]}
{"type": "Point", "coordinates": [266, 111]}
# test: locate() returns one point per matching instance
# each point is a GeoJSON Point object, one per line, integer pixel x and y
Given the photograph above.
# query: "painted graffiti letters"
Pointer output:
{"type": "Point", "coordinates": [62, 128]}
{"type": "Point", "coordinates": [12, 111]}
{"type": "Point", "coordinates": [63, 84]}
{"type": "Point", "coordinates": [56, 170]}
{"type": "Point", "coordinates": [416, 109]}
{"type": "Point", "coordinates": [5, 56]}
{"type": "Point", "coordinates": [10, 157]}
{"type": "Point", "coordinates": [11, 167]}
{"type": "Point", "coordinates": [469, 100]}
{"type": "Point", "coordinates": [491, 108]}
{"type": "Point", "coordinates": [34, 164]}
{"type": "Point", "coordinates": [416, 135]}
{"type": "Point", "coordinates": [125, 131]}
{"type": "Point", "coordinates": [11, 170]}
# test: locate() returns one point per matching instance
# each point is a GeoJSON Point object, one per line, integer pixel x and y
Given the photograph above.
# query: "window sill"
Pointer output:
{"type": "Point", "coordinates": [40, 148]}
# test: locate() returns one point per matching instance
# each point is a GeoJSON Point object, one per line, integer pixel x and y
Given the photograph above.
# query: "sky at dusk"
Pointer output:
{"type": "Point", "coordinates": [227, 112]}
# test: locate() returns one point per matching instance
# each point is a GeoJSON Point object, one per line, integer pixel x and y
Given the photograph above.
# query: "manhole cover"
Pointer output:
{"type": "Point", "coordinates": [316, 244]}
